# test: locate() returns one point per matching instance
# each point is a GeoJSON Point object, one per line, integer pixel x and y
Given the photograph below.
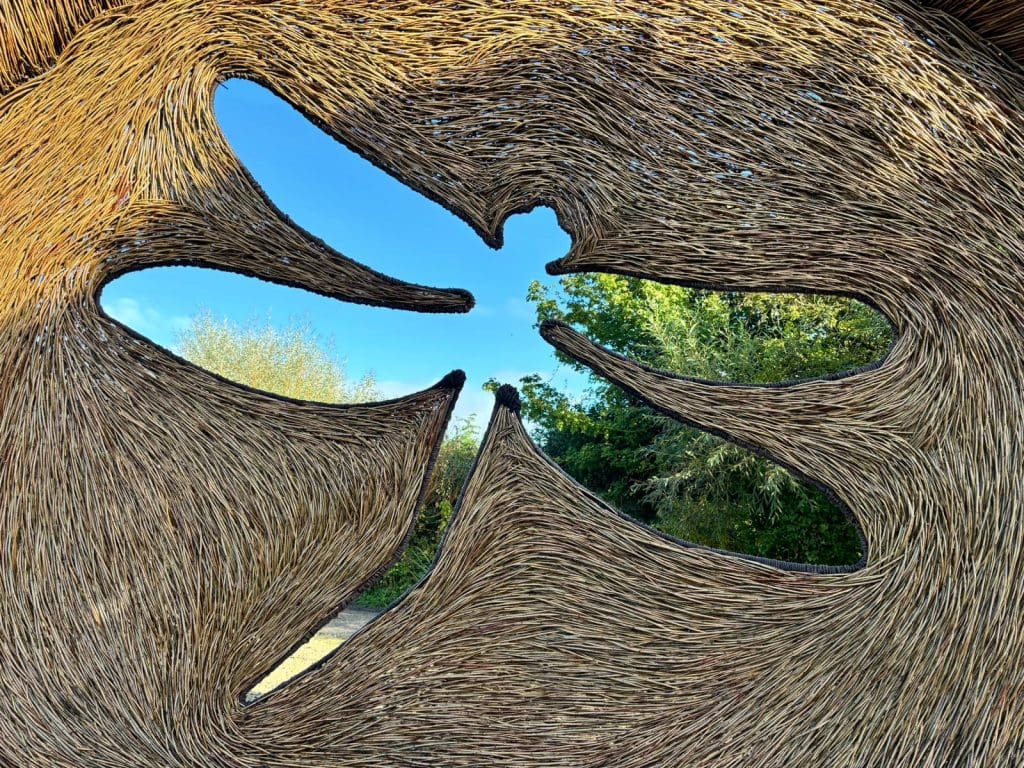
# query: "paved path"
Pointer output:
{"type": "Point", "coordinates": [340, 628]}
{"type": "Point", "coordinates": [347, 622]}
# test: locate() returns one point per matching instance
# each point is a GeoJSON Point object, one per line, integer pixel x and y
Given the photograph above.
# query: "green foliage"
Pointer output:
{"type": "Point", "coordinates": [406, 572]}
{"type": "Point", "coordinates": [291, 362]}
{"type": "Point", "coordinates": [454, 461]}
{"type": "Point", "coordinates": [599, 443]}
{"type": "Point", "coordinates": [685, 482]}
{"type": "Point", "coordinates": [712, 492]}
{"type": "Point", "coordinates": [294, 363]}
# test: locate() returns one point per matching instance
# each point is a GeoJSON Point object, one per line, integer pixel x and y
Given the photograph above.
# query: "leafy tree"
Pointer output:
{"type": "Point", "coordinates": [293, 362]}
{"type": "Point", "coordinates": [685, 482]}
{"type": "Point", "coordinates": [454, 462]}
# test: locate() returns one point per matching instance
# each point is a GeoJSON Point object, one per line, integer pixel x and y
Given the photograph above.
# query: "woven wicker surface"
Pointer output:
{"type": "Point", "coordinates": [166, 537]}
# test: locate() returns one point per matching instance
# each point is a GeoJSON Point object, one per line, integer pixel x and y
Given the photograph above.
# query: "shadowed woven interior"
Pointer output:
{"type": "Point", "coordinates": [168, 536]}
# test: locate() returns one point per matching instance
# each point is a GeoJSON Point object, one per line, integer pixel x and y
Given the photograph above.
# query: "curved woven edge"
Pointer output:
{"type": "Point", "coordinates": [857, 130]}
{"type": "Point", "coordinates": [510, 402]}
{"type": "Point", "coordinates": [557, 268]}
{"type": "Point", "coordinates": [507, 399]}
{"type": "Point", "coordinates": [998, 21]}
{"type": "Point", "coordinates": [430, 299]}
{"type": "Point", "coordinates": [492, 236]}
{"type": "Point", "coordinates": [453, 382]}
{"type": "Point", "coordinates": [621, 371]}
{"type": "Point", "coordinates": [558, 334]}
{"type": "Point", "coordinates": [667, 627]}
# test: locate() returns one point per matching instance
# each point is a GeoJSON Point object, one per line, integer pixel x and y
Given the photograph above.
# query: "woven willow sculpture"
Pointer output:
{"type": "Point", "coordinates": [166, 536]}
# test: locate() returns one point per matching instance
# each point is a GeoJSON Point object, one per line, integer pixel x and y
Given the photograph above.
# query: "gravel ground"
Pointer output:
{"type": "Point", "coordinates": [347, 622]}
{"type": "Point", "coordinates": [340, 628]}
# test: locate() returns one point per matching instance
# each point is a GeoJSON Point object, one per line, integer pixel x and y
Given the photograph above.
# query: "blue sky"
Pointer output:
{"type": "Point", "coordinates": [370, 217]}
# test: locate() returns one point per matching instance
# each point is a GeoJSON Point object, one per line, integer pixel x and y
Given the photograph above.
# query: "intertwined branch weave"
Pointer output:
{"type": "Point", "coordinates": [166, 537]}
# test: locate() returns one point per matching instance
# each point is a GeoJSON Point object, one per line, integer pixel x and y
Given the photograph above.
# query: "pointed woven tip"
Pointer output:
{"type": "Point", "coordinates": [556, 333]}
{"type": "Point", "coordinates": [454, 380]}
{"type": "Point", "coordinates": [549, 325]}
{"type": "Point", "coordinates": [507, 396]}
{"type": "Point", "coordinates": [467, 298]}
{"type": "Point", "coordinates": [558, 267]}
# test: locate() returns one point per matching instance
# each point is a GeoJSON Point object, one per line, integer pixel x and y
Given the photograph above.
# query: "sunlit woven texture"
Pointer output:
{"type": "Point", "coordinates": [166, 537]}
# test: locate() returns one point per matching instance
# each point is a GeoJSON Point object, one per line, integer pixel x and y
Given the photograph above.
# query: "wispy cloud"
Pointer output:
{"type": "Point", "coordinates": [147, 320]}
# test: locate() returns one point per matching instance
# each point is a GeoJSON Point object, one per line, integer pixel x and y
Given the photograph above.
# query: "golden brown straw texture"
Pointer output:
{"type": "Point", "coordinates": [166, 537]}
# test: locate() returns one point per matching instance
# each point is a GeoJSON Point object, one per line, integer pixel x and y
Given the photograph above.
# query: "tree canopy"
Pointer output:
{"type": "Point", "coordinates": [290, 361]}
{"type": "Point", "coordinates": [294, 362]}
{"type": "Point", "coordinates": [685, 482]}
